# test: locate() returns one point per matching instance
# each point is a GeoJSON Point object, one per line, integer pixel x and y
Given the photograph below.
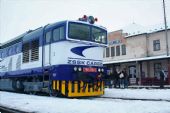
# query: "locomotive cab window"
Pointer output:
{"type": "Point", "coordinates": [58, 33]}
{"type": "Point", "coordinates": [79, 31]}
{"type": "Point", "coordinates": [98, 35]}
{"type": "Point", "coordinates": [87, 32]}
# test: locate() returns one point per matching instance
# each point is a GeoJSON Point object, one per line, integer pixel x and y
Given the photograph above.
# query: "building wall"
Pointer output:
{"type": "Point", "coordinates": [136, 47]}
{"type": "Point", "coordinates": [157, 36]}
{"type": "Point", "coordinates": [139, 46]}
{"type": "Point", "coordinates": [133, 50]}
{"type": "Point", "coordinates": [169, 41]}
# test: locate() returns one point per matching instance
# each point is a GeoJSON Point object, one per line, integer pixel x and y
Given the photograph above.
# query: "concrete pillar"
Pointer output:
{"type": "Point", "coordinates": [148, 69]}
{"type": "Point", "coordinates": [138, 72]}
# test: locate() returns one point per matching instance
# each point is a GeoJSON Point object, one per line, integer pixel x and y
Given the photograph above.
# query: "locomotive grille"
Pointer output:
{"type": "Point", "coordinates": [25, 53]}
{"type": "Point", "coordinates": [35, 50]}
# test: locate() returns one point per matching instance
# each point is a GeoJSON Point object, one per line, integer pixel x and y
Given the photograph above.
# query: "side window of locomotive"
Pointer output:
{"type": "Point", "coordinates": [0, 54]}
{"type": "Point", "coordinates": [10, 51]}
{"type": "Point", "coordinates": [17, 49]}
{"type": "Point", "coordinates": [48, 37]}
{"type": "Point", "coordinates": [3, 54]}
{"type": "Point", "coordinates": [62, 33]}
{"type": "Point", "coordinates": [26, 52]}
{"type": "Point", "coordinates": [58, 34]}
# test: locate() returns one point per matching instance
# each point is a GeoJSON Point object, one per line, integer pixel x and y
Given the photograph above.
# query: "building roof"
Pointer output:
{"type": "Point", "coordinates": [136, 59]}
{"type": "Point", "coordinates": [136, 29]}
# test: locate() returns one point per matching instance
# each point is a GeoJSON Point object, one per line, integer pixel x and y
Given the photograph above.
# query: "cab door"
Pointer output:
{"type": "Point", "coordinates": [47, 49]}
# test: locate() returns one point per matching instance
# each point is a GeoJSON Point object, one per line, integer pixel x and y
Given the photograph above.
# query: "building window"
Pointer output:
{"type": "Point", "coordinates": [123, 49]}
{"type": "Point", "coordinates": [156, 45]}
{"type": "Point", "coordinates": [112, 51]}
{"type": "Point", "coordinates": [107, 52]}
{"type": "Point", "coordinates": [117, 50]}
{"type": "Point", "coordinates": [157, 68]}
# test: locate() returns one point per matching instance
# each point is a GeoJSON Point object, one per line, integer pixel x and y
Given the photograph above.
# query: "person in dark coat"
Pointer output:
{"type": "Point", "coordinates": [162, 76]}
{"type": "Point", "coordinates": [111, 78]}
{"type": "Point", "coordinates": [121, 79]}
{"type": "Point", "coordinates": [126, 78]}
{"type": "Point", "coordinates": [116, 78]}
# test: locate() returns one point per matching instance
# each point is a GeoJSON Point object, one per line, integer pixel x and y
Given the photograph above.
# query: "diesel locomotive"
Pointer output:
{"type": "Point", "coordinates": [61, 59]}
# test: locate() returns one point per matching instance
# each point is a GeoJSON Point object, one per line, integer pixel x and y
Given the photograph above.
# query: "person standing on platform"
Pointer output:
{"type": "Point", "coordinates": [116, 78]}
{"type": "Point", "coordinates": [126, 78]}
{"type": "Point", "coordinates": [121, 79]}
{"type": "Point", "coordinates": [162, 76]}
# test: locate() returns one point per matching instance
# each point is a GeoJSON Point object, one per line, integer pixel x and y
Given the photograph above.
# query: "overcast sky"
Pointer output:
{"type": "Point", "coordinates": [18, 16]}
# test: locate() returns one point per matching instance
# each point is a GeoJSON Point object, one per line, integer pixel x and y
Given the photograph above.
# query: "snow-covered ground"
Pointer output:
{"type": "Point", "coordinates": [43, 104]}
{"type": "Point", "coordinates": [163, 94]}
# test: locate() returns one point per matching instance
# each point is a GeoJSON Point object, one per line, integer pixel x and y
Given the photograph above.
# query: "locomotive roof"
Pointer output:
{"type": "Point", "coordinates": [31, 33]}
{"type": "Point", "coordinates": [28, 33]}
{"type": "Point", "coordinates": [12, 41]}
{"type": "Point", "coordinates": [55, 24]}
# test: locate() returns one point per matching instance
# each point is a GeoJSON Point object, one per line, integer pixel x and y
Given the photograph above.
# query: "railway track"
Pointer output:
{"type": "Point", "coordinates": [4, 109]}
{"type": "Point", "coordinates": [135, 99]}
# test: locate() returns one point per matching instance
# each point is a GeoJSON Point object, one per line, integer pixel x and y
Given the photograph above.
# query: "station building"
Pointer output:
{"type": "Point", "coordinates": [141, 53]}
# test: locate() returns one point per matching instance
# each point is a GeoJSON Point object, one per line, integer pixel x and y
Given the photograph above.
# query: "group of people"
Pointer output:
{"type": "Point", "coordinates": [119, 79]}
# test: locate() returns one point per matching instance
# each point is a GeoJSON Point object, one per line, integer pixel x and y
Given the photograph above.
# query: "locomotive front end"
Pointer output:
{"type": "Point", "coordinates": [82, 72]}
{"type": "Point", "coordinates": [79, 81]}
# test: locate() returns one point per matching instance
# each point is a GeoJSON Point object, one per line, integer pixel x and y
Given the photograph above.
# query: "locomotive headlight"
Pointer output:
{"type": "Point", "coordinates": [79, 69]}
{"type": "Point", "coordinates": [75, 68]}
{"type": "Point", "coordinates": [102, 70]}
{"type": "Point", "coordinates": [99, 70]}
{"type": "Point", "coordinates": [91, 19]}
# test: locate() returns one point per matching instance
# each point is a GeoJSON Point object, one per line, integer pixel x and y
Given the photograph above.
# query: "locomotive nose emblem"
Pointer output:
{"type": "Point", "coordinates": [79, 50]}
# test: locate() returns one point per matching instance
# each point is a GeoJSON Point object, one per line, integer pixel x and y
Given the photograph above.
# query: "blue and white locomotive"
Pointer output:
{"type": "Point", "coordinates": [63, 58]}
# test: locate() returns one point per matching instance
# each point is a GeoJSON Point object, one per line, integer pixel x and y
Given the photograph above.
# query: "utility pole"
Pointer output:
{"type": "Point", "coordinates": [166, 36]}
{"type": "Point", "coordinates": [165, 23]}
